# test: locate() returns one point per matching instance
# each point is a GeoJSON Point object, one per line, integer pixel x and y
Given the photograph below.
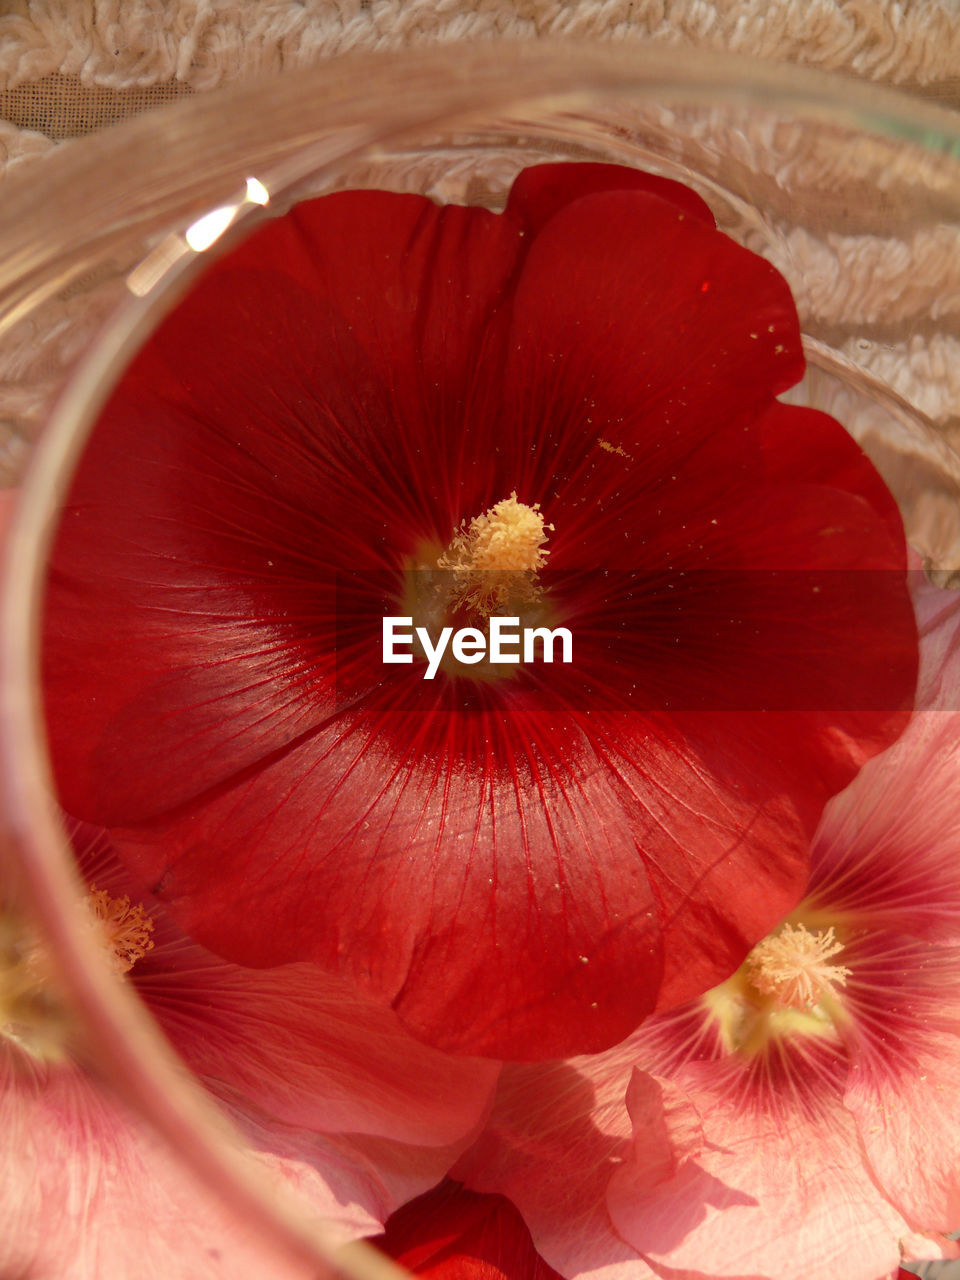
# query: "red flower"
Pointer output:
{"type": "Point", "coordinates": [459, 1234]}
{"type": "Point", "coordinates": [524, 865]}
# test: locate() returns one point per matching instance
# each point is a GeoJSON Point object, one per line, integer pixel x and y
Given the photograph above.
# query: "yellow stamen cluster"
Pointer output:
{"type": "Point", "coordinates": [795, 967]}
{"type": "Point", "coordinates": [34, 1013]}
{"type": "Point", "coordinates": [124, 929]}
{"type": "Point", "coordinates": [495, 558]}
{"type": "Point", "coordinates": [787, 986]}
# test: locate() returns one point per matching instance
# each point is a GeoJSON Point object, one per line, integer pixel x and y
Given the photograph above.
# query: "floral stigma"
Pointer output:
{"type": "Point", "coordinates": [123, 929]}
{"type": "Point", "coordinates": [796, 967]}
{"type": "Point", "coordinates": [34, 1012]}
{"type": "Point", "coordinates": [787, 986]}
{"type": "Point", "coordinates": [496, 557]}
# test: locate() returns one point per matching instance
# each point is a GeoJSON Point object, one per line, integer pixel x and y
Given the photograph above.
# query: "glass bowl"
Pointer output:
{"type": "Point", "coordinates": [853, 192]}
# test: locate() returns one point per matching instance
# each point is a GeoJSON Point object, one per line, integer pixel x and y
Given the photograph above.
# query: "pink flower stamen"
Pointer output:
{"type": "Point", "coordinates": [33, 1011]}
{"type": "Point", "coordinates": [786, 991]}
{"type": "Point", "coordinates": [124, 929]}
{"type": "Point", "coordinates": [796, 967]}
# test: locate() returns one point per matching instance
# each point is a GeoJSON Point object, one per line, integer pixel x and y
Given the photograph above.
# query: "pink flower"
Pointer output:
{"type": "Point", "coordinates": [332, 1095]}
{"type": "Point", "coordinates": [798, 1122]}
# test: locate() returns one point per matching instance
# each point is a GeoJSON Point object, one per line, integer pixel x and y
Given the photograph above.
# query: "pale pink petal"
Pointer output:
{"type": "Point", "coordinates": [88, 1193]}
{"type": "Point", "coordinates": [910, 1131]}
{"type": "Point", "coordinates": [885, 854]}
{"type": "Point", "coordinates": [296, 1045]}
{"type": "Point", "coordinates": [329, 1090]}
{"type": "Point", "coordinates": [774, 1194]}
{"type": "Point", "coordinates": [938, 623]}
{"type": "Point", "coordinates": [929, 1246]}
{"type": "Point", "coordinates": [556, 1134]}
{"type": "Point", "coordinates": [352, 1183]}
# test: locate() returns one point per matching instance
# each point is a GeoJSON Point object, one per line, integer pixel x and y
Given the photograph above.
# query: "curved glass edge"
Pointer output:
{"type": "Point", "coordinates": [304, 120]}
{"type": "Point", "coordinates": [313, 122]}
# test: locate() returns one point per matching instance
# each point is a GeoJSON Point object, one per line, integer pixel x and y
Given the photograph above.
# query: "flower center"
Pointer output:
{"type": "Point", "coordinates": [788, 985]}
{"type": "Point", "coordinates": [33, 1012]}
{"type": "Point", "coordinates": [123, 929]}
{"type": "Point", "coordinates": [795, 967]}
{"type": "Point", "coordinates": [495, 558]}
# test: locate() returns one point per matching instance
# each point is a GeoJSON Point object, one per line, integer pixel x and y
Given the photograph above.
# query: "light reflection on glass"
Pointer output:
{"type": "Point", "coordinates": [257, 193]}
{"type": "Point", "coordinates": [200, 235]}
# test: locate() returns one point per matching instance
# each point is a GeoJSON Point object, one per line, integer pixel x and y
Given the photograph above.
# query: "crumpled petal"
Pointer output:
{"type": "Point", "coordinates": [556, 1134]}
{"type": "Point", "coordinates": [771, 1193]}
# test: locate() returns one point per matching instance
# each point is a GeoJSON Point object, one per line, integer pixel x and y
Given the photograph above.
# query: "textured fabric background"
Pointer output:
{"type": "Point", "coordinates": [120, 44]}
{"type": "Point", "coordinates": [70, 67]}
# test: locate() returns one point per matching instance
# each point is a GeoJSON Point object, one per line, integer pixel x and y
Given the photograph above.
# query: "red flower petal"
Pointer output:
{"type": "Point", "coordinates": [803, 446]}
{"type": "Point", "coordinates": [459, 1234]}
{"type": "Point", "coordinates": [212, 519]}
{"type": "Point", "coordinates": [516, 868]}
{"type": "Point", "coordinates": [614, 337]}
{"type": "Point", "coordinates": [544, 189]}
